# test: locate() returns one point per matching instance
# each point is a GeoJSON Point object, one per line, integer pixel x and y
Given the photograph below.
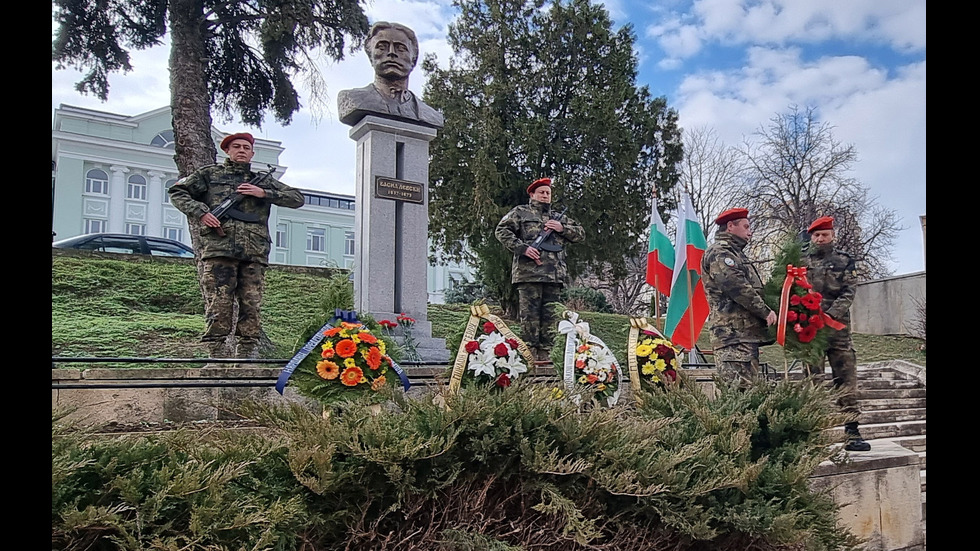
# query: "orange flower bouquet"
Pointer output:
{"type": "Point", "coordinates": [350, 362]}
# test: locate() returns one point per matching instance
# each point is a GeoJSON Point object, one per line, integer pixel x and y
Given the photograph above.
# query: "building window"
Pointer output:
{"type": "Point", "coordinates": [166, 190]}
{"type": "Point", "coordinates": [281, 237]}
{"type": "Point", "coordinates": [455, 279]}
{"type": "Point", "coordinates": [333, 202]}
{"type": "Point", "coordinates": [316, 239]}
{"type": "Point", "coordinates": [97, 181]}
{"type": "Point", "coordinates": [164, 139]}
{"type": "Point", "coordinates": [94, 226]}
{"type": "Point", "coordinates": [349, 243]}
{"type": "Point", "coordinates": [136, 188]}
{"type": "Point", "coordinates": [135, 229]}
{"type": "Point", "coordinates": [177, 234]}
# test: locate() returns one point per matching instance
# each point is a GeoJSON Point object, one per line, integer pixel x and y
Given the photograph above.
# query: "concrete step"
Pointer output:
{"type": "Point", "coordinates": [922, 480]}
{"type": "Point", "coordinates": [892, 403]}
{"type": "Point", "coordinates": [887, 431]}
{"type": "Point", "coordinates": [916, 443]}
{"type": "Point", "coordinates": [922, 459]}
{"type": "Point", "coordinates": [892, 415]}
{"type": "Point", "coordinates": [887, 394]}
{"type": "Point", "coordinates": [870, 384]}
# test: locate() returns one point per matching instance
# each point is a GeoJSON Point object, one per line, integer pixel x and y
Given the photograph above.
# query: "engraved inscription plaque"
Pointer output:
{"type": "Point", "coordinates": [399, 190]}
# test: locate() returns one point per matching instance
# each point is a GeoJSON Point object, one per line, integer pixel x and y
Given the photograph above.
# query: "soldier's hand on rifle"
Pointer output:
{"type": "Point", "coordinates": [250, 189]}
{"type": "Point", "coordinates": [554, 225]}
{"type": "Point", "coordinates": [210, 220]}
{"type": "Point", "coordinates": [533, 254]}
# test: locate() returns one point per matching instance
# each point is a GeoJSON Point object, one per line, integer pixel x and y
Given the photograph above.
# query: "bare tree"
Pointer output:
{"type": "Point", "coordinates": [711, 172]}
{"type": "Point", "coordinates": [798, 171]}
{"type": "Point", "coordinates": [628, 295]}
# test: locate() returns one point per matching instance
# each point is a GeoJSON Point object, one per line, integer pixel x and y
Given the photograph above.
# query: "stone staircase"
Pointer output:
{"type": "Point", "coordinates": [892, 398]}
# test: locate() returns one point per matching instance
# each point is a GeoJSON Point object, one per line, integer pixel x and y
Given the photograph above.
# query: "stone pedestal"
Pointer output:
{"type": "Point", "coordinates": [391, 225]}
{"type": "Point", "coordinates": [879, 494]}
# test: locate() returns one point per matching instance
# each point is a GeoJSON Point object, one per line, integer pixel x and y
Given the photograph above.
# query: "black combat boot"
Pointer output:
{"type": "Point", "coordinates": [217, 349]}
{"type": "Point", "coordinates": [854, 442]}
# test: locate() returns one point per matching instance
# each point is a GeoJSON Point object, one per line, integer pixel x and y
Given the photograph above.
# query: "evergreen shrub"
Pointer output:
{"type": "Point", "coordinates": [519, 469]}
{"type": "Point", "coordinates": [584, 298]}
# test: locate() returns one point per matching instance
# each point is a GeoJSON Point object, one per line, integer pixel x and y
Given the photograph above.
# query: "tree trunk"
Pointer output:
{"type": "Point", "coordinates": [190, 101]}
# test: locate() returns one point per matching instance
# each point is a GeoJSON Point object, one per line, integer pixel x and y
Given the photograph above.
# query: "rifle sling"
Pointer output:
{"type": "Point", "coordinates": [243, 216]}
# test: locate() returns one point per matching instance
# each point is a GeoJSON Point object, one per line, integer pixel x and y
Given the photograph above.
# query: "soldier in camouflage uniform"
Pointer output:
{"type": "Point", "coordinates": [833, 274]}
{"type": "Point", "coordinates": [738, 315]}
{"type": "Point", "coordinates": [233, 265]}
{"type": "Point", "coordinates": [537, 274]}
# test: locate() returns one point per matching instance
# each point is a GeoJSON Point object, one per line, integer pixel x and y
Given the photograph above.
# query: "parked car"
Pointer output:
{"type": "Point", "coordinates": [125, 243]}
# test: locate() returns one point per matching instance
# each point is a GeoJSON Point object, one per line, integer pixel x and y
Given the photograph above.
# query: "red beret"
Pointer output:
{"type": "Point", "coordinates": [538, 183]}
{"type": "Point", "coordinates": [731, 214]}
{"type": "Point", "coordinates": [822, 223]}
{"type": "Point", "coordinates": [226, 143]}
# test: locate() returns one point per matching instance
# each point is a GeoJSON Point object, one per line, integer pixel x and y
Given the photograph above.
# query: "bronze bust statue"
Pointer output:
{"type": "Point", "coordinates": [394, 51]}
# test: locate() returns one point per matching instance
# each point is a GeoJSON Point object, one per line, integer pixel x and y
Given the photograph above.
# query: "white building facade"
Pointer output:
{"type": "Point", "coordinates": [110, 173]}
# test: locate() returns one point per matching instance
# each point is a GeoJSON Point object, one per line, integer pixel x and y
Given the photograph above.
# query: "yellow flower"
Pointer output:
{"type": "Point", "coordinates": [349, 362]}
{"type": "Point", "coordinates": [601, 387]}
{"type": "Point", "coordinates": [583, 379]}
{"type": "Point", "coordinates": [655, 379]}
{"type": "Point", "coordinates": [660, 364]}
{"type": "Point", "coordinates": [381, 347]}
{"type": "Point", "coordinates": [644, 350]}
{"type": "Point", "coordinates": [647, 369]}
{"type": "Point", "coordinates": [557, 393]}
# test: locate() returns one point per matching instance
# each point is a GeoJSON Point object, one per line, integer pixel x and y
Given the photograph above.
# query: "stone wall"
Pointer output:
{"type": "Point", "coordinates": [888, 306]}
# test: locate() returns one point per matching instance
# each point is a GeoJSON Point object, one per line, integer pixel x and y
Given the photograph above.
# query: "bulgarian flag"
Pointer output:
{"type": "Point", "coordinates": [688, 307]}
{"type": "Point", "coordinates": [660, 258]}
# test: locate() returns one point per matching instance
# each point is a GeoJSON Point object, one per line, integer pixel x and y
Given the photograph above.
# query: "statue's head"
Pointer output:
{"type": "Point", "coordinates": [393, 49]}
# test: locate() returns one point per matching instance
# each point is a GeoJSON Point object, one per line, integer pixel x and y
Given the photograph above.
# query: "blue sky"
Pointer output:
{"type": "Point", "coordinates": [730, 65]}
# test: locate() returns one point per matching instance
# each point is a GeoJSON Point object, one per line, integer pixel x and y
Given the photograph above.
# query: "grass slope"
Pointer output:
{"type": "Point", "coordinates": [142, 307]}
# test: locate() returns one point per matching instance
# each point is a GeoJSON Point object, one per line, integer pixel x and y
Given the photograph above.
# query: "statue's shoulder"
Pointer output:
{"type": "Point", "coordinates": [430, 115]}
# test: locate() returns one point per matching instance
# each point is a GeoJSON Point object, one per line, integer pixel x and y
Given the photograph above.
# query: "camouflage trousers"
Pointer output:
{"type": "Point", "coordinates": [843, 366]}
{"type": "Point", "coordinates": [536, 313]}
{"type": "Point", "coordinates": [738, 362]}
{"type": "Point", "coordinates": [225, 281]}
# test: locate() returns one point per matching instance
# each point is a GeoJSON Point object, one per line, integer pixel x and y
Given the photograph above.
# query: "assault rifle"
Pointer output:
{"type": "Point", "coordinates": [227, 207]}
{"type": "Point", "coordinates": [545, 240]}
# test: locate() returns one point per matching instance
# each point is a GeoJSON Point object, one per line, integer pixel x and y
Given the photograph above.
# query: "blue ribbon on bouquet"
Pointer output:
{"type": "Point", "coordinates": [350, 316]}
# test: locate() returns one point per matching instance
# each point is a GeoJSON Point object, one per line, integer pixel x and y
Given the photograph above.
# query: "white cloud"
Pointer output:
{"type": "Point", "coordinates": [882, 116]}
{"type": "Point", "coordinates": [896, 23]}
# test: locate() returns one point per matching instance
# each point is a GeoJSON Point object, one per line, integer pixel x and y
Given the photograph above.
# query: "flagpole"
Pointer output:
{"type": "Point", "coordinates": [656, 273]}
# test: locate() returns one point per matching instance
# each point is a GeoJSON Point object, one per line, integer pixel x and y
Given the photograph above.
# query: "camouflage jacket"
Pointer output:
{"type": "Point", "coordinates": [518, 229]}
{"type": "Point", "coordinates": [832, 274]}
{"type": "Point", "coordinates": [205, 188]}
{"type": "Point", "coordinates": [737, 311]}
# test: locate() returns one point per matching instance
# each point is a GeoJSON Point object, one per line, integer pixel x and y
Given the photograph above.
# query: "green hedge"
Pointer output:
{"type": "Point", "coordinates": [517, 469]}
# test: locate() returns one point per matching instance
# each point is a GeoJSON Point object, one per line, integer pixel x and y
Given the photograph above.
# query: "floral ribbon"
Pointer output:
{"type": "Point", "coordinates": [478, 312]}
{"type": "Point", "coordinates": [636, 325]}
{"type": "Point", "coordinates": [796, 274]}
{"type": "Point", "coordinates": [573, 328]}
